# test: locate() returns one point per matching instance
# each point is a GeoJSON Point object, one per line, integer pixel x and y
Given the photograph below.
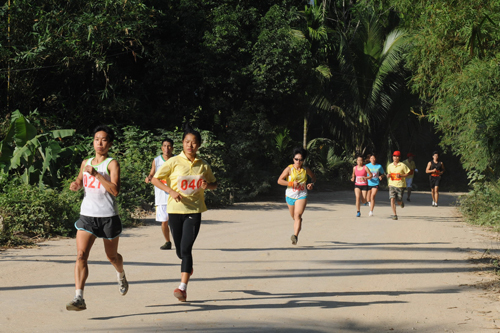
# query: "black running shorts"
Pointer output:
{"type": "Point", "coordinates": [102, 227]}
{"type": "Point", "coordinates": [434, 181]}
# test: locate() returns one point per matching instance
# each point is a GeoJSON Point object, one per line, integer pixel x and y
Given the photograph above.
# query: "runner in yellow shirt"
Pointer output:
{"type": "Point", "coordinates": [294, 177]}
{"type": "Point", "coordinates": [410, 163]}
{"type": "Point", "coordinates": [187, 177]}
{"type": "Point", "coordinates": [396, 173]}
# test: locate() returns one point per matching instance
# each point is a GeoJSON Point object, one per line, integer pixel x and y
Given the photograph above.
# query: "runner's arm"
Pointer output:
{"type": "Point", "coordinates": [353, 174]}
{"type": "Point", "coordinates": [112, 185]}
{"type": "Point", "coordinates": [164, 187]}
{"type": "Point", "coordinates": [368, 172]}
{"type": "Point", "coordinates": [382, 174]}
{"type": "Point", "coordinates": [442, 171]}
{"type": "Point", "coordinates": [210, 186]}
{"type": "Point", "coordinates": [428, 169]}
{"type": "Point", "coordinates": [284, 175]}
{"type": "Point", "coordinates": [313, 178]}
{"type": "Point", "coordinates": [151, 173]}
{"type": "Point", "coordinates": [78, 183]}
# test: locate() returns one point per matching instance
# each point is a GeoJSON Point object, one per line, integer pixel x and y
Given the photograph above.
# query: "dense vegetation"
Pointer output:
{"type": "Point", "coordinates": [257, 77]}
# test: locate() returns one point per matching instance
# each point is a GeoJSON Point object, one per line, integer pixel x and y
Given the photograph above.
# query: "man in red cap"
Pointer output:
{"type": "Point", "coordinates": [410, 163]}
{"type": "Point", "coordinates": [396, 173]}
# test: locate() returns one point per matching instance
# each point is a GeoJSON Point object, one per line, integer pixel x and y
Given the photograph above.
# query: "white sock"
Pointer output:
{"type": "Point", "coordinates": [183, 286]}
{"type": "Point", "coordinates": [79, 293]}
{"type": "Point", "coordinates": [120, 275]}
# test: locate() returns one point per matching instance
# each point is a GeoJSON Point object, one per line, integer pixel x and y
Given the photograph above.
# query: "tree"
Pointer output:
{"type": "Point", "coordinates": [370, 77]}
{"type": "Point", "coordinates": [454, 60]}
{"type": "Point", "coordinates": [315, 32]}
{"type": "Point", "coordinates": [74, 61]}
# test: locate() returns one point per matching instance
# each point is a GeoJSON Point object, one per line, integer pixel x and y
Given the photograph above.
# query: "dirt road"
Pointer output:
{"type": "Point", "coordinates": [347, 274]}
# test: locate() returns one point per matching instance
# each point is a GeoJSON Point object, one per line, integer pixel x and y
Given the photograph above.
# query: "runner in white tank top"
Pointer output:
{"type": "Point", "coordinates": [100, 178]}
{"type": "Point", "coordinates": [161, 197]}
{"type": "Point", "coordinates": [97, 202]}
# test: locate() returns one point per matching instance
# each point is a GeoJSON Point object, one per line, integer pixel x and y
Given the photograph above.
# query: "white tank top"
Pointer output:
{"type": "Point", "coordinates": [97, 202]}
{"type": "Point", "coordinates": [161, 197]}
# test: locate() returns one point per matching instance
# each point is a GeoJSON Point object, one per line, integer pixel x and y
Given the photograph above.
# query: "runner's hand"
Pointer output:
{"type": "Point", "coordinates": [148, 179]}
{"type": "Point", "coordinates": [176, 196]}
{"type": "Point", "coordinates": [74, 186]}
{"type": "Point", "coordinates": [90, 169]}
{"type": "Point", "coordinates": [204, 184]}
{"type": "Point", "coordinates": [310, 186]}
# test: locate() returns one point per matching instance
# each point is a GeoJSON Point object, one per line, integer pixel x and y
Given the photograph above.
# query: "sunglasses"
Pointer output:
{"type": "Point", "coordinates": [298, 160]}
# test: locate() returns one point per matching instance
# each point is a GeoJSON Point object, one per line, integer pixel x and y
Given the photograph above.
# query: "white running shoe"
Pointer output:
{"type": "Point", "coordinates": [370, 213]}
{"type": "Point", "coordinates": [123, 285]}
{"type": "Point", "coordinates": [433, 204]}
{"type": "Point", "coordinates": [77, 304]}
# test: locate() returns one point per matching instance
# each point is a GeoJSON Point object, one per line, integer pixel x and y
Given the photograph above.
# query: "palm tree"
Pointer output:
{"type": "Point", "coordinates": [315, 32]}
{"type": "Point", "coordinates": [370, 65]}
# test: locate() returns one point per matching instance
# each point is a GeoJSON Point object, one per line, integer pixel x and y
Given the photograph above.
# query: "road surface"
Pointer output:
{"type": "Point", "coordinates": [346, 274]}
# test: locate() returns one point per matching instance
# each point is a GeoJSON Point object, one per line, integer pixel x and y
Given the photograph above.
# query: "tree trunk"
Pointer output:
{"type": "Point", "coordinates": [305, 132]}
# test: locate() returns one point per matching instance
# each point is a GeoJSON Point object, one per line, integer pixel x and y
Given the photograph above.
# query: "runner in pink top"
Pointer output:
{"type": "Point", "coordinates": [360, 176]}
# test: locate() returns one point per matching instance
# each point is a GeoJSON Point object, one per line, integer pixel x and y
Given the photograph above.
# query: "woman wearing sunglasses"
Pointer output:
{"type": "Point", "coordinates": [294, 177]}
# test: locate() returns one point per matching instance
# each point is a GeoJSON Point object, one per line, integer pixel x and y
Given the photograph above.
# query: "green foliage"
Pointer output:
{"type": "Point", "coordinates": [454, 58]}
{"type": "Point", "coordinates": [34, 158]}
{"type": "Point", "coordinates": [370, 67]}
{"type": "Point", "coordinates": [469, 118]}
{"type": "Point", "coordinates": [73, 59]}
{"type": "Point", "coordinates": [480, 206]}
{"type": "Point", "coordinates": [323, 161]}
{"type": "Point", "coordinates": [134, 149]}
{"type": "Point", "coordinates": [29, 211]}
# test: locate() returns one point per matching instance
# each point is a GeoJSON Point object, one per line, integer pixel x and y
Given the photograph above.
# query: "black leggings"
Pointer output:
{"type": "Point", "coordinates": [184, 229]}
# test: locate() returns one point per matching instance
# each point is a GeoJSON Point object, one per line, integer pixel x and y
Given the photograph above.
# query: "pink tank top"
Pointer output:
{"type": "Point", "coordinates": [359, 174]}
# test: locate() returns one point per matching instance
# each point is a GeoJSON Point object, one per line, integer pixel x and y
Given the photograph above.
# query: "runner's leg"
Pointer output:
{"type": "Point", "coordinates": [111, 249]}
{"type": "Point", "coordinates": [357, 192]}
{"type": "Point", "coordinates": [393, 205]}
{"type": "Point", "coordinates": [373, 194]}
{"type": "Point", "coordinates": [84, 242]}
{"type": "Point", "coordinates": [300, 206]}
{"type": "Point", "coordinates": [191, 228]}
{"type": "Point", "coordinates": [291, 209]}
{"type": "Point", "coordinates": [165, 230]}
{"type": "Point", "coordinates": [364, 196]}
{"type": "Point", "coordinates": [176, 222]}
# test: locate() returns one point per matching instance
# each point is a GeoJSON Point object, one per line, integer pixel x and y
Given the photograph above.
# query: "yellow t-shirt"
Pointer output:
{"type": "Point", "coordinates": [411, 165]}
{"type": "Point", "coordinates": [185, 177]}
{"type": "Point", "coordinates": [394, 172]}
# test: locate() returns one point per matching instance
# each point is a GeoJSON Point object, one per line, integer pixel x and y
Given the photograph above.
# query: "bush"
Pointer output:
{"type": "Point", "coordinates": [481, 205]}
{"type": "Point", "coordinates": [31, 211]}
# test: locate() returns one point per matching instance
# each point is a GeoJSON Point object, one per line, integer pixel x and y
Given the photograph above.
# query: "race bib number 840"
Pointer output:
{"type": "Point", "coordinates": [189, 184]}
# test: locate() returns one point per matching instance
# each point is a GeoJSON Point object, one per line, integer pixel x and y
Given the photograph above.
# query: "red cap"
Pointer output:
{"type": "Point", "coordinates": [396, 153]}
{"type": "Point", "coordinates": [409, 155]}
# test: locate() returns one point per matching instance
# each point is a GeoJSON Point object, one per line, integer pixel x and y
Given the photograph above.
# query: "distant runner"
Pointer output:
{"type": "Point", "coordinates": [410, 163]}
{"type": "Point", "coordinates": [436, 170]}
{"type": "Point", "coordinates": [373, 183]}
{"type": "Point", "coordinates": [100, 178]}
{"type": "Point", "coordinates": [187, 177]}
{"type": "Point", "coordinates": [396, 173]}
{"type": "Point", "coordinates": [360, 176]}
{"type": "Point", "coordinates": [294, 177]}
{"type": "Point", "coordinates": [161, 197]}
